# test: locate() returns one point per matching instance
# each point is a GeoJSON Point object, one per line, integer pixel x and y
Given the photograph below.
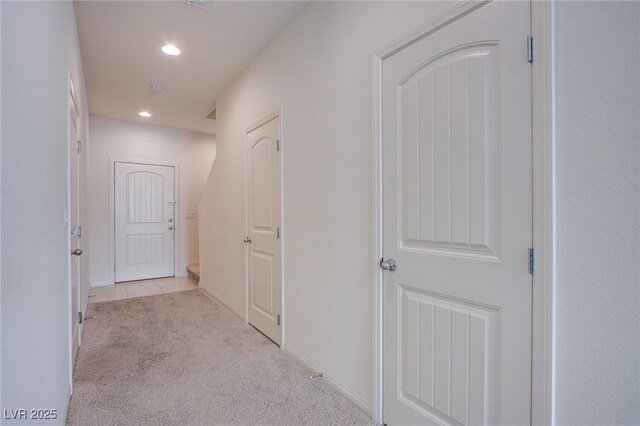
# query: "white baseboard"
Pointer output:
{"type": "Point", "coordinates": [100, 283]}
{"type": "Point", "coordinates": [345, 391]}
{"type": "Point", "coordinates": [225, 303]}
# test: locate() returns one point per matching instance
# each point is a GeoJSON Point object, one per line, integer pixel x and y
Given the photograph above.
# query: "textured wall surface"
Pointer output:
{"type": "Point", "coordinates": [598, 195]}
{"type": "Point", "coordinates": [39, 49]}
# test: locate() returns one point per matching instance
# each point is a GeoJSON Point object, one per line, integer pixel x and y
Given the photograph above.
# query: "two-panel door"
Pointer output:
{"type": "Point", "coordinates": [457, 218]}
{"type": "Point", "coordinates": [263, 222]}
{"type": "Point", "coordinates": [144, 221]}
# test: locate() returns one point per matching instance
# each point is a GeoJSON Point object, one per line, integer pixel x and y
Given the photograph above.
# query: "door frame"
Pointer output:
{"type": "Point", "coordinates": [112, 206]}
{"type": "Point", "coordinates": [276, 113]}
{"type": "Point", "coordinates": [74, 338]}
{"type": "Point", "coordinates": [543, 29]}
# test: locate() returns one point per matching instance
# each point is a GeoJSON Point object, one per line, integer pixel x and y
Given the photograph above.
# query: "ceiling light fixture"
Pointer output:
{"type": "Point", "coordinates": [156, 87]}
{"type": "Point", "coordinates": [144, 114]}
{"type": "Point", "coordinates": [170, 49]}
{"type": "Point", "coordinates": [202, 4]}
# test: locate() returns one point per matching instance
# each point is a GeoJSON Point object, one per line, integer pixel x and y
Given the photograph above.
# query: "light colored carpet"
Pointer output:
{"type": "Point", "coordinates": [183, 358]}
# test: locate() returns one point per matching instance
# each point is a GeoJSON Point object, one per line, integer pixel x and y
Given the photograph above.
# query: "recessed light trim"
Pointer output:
{"type": "Point", "coordinates": [170, 49]}
{"type": "Point", "coordinates": [144, 114]}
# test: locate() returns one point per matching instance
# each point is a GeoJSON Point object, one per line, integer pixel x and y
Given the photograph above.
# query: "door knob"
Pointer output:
{"type": "Point", "coordinates": [170, 220]}
{"type": "Point", "coordinates": [247, 240]}
{"type": "Point", "coordinates": [77, 251]}
{"type": "Point", "coordinates": [170, 228]}
{"type": "Point", "coordinates": [389, 265]}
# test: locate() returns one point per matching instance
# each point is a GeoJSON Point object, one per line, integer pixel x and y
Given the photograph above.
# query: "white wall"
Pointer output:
{"type": "Point", "coordinates": [39, 48]}
{"type": "Point", "coordinates": [598, 195]}
{"type": "Point", "coordinates": [117, 139]}
{"type": "Point", "coordinates": [319, 69]}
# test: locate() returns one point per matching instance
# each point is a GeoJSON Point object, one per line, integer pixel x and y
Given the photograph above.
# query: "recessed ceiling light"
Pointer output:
{"type": "Point", "coordinates": [156, 87]}
{"type": "Point", "coordinates": [144, 114]}
{"type": "Point", "coordinates": [170, 49]}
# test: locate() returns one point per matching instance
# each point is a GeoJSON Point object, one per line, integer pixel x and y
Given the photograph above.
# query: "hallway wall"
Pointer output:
{"type": "Point", "coordinates": [319, 70]}
{"type": "Point", "coordinates": [39, 48]}
{"type": "Point", "coordinates": [118, 139]}
{"type": "Point", "coordinates": [598, 210]}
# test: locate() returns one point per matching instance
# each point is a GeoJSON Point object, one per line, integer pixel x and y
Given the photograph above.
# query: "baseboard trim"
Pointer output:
{"type": "Point", "coordinates": [100, 283]}
{"type": "Point", "coordinates": [208, 293]}
{"type": "Point", "coordinates": [334, 383]}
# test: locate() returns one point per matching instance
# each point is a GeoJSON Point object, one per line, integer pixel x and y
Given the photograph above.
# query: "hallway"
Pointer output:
{"type": "Point", "coordinates": [183, 358]}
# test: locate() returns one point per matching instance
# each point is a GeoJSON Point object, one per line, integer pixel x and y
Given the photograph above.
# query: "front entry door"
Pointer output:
{"type": "Point", "coordinates": [144, 221]}
{"type": "Point", "coordinates": [457, 218]}
{"type": "Point", "coordinates": [263, 240]}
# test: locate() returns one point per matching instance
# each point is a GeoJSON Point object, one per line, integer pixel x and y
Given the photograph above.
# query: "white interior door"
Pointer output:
{"type": "Point", "coordinates": [263, 240]}
{"type": "Point", "coordinates": [73, 223]}
{"type": "Point", "coordinates": [457, 218]}
{"type": "Point", "coordinates": [144, 221]}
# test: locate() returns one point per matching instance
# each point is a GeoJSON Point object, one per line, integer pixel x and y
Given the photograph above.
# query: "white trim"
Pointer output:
{"type": "Point", "coordinates": [456, 12]}
{"type": "Point", "coordinates": [276, 113]}
{"type": "Point", "coordinates": [378, 326]}
{"type": "Point", "coordinates": [543, 29]}
{"type": "Point", "coordinates": [264, 120]}
{"type": "Point", "coordinates": [99, 283]}
{"type": "Point", "coordinates": [331, 381]}
{"type": "Point", "coordinates": [112, 230]}
{"type": "Point", "coordinates": [70, 98]}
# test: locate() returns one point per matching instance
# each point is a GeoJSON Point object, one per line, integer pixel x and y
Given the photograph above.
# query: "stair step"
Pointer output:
{"type": "Point", "coordinates": [194, 272]}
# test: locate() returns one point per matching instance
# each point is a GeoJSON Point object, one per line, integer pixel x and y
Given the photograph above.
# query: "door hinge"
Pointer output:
{"type": "Point", "coordinates": [79, 317]}
{"type": "Point", "coordinates": [278, 319]}
{"type": "Point", "coordinates": [532, 261]}
{"type": "Point", "coordinates": [79, 232]}
{"type": "Point", "coordinates": [530, 49]}
{"type": "Point", "coordinates": [278, 232]}
{"type": "Point", "coordinates": [278, 145]}
{"type": "Point", "coordinates": [79, 146]}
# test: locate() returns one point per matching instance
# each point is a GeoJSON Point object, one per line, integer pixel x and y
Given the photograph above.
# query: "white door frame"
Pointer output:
{"type": "Point", "coordinates": [543, 84]}
{"type": "Point", "coordinates": [112, 206]}
{"type": "Point", "coordinates": [74, 339]}
{"type": "Point", "coordinates": [278, 112]}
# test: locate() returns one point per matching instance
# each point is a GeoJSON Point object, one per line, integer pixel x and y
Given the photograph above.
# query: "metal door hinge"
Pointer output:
{"type": "Point", "coordinates": [530, 49]}
{"type": "Point", "coordinates": [278, 145]}
{"type": "Point", "coordinates": [79, 317]}
{"type": "Point", "coordinates": [79, 146]}
{"type": "Point", "coordinates": [532, 261]}
{"type": "Point", "coordinates": [278, 319]}
{"type": "Point", "coordinates": [79, 232]}
{"type": "Point", "coordinates": [278, 232]}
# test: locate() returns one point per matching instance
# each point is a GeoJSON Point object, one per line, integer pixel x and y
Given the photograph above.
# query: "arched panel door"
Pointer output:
{"type": "Point", "coordinates": [457, 222]}
{"type": "Point", "coordinates": [144, 221]}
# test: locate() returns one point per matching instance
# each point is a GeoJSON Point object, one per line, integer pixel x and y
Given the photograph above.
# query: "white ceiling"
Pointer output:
{"type": "Point", "coordinates": [121, 41]}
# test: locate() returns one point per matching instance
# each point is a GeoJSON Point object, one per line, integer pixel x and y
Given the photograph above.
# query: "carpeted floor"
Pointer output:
{"type": "Point", "coordinates": [184, 359]}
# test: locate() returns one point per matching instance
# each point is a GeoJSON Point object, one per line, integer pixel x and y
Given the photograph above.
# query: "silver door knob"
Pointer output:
{"type": "Point", "coordinates": [76, 252]}
{"type": "Point", "coordinates": [389, 265]}
{"type": "Point", "coordinates": [170, 228]}
{"type": "Point", "coordinates": [247, 240]}
{"type": "Point", "coordinates": [170, 220]}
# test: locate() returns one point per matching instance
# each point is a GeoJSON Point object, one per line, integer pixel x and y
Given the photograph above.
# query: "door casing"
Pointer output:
{"type": "Point", "coordinates": [73, 220]}
{"type": "Point", "coordinates": [278, 112]}
{"type": "Point", "coordinates": [543, 107]}
{"type": "Point", "coordinates": [112, 192]}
